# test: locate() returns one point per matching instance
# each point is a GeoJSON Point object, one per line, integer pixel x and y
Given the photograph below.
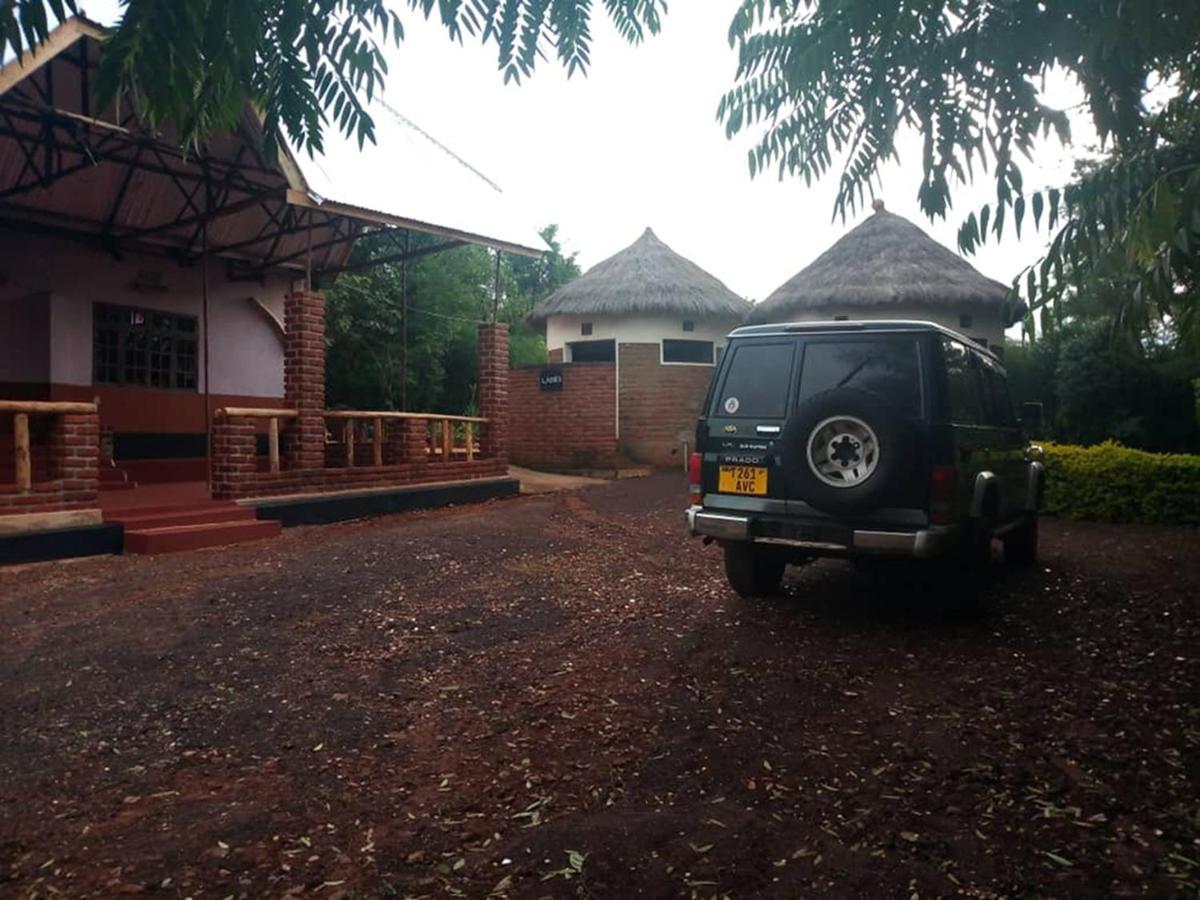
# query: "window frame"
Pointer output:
{"type": "Point", "coordinates": [124, 329]}
{"type": "Point", "coordinates": [571, 345]}
{"type": "Point", "coordinates": [975, 362]}
{"type": "Point", "coordinates": [662, 352]}
{"type": "Point", "coordinates": [998, 395]}
{"type": "Point", "coordinates": [729, 360]}
{"type": "Point", "coordinates": [923, 404]}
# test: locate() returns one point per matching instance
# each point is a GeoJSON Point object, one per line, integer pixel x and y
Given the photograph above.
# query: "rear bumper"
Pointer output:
{"type": "Point", "coordinates": [921, 543]}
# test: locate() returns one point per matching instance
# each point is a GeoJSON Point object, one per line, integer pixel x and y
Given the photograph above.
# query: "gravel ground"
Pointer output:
{"type": "Point", "coordinates": [557, 696]}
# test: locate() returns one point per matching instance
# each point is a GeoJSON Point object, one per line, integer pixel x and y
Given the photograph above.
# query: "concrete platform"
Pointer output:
{"type": "Point", "coordinates": [320, 509]}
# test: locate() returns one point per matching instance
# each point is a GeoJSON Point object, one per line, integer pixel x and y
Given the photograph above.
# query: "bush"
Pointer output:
{"type": "Point", "coordinates": [1111, 483]}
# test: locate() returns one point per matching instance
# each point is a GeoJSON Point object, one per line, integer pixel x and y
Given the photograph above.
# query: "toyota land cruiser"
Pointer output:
{"type": "Point", "coordinates": [859, 439]}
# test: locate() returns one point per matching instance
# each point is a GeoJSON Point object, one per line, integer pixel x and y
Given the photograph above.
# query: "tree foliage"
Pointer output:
{"type": "Point", "coordinates": [1094, 388]}
{"type": "Point", "coordinates": [448, 294]}
{"type": "Point", "coordinates": [308, 64]}
{"type": "Point", "coordinates": [830, 83]}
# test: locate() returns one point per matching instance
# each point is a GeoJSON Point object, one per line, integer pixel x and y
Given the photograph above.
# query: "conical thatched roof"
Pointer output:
{"type": "Point", "coordinates": [884, 260]}
{"type": "Point", "coordinates": [645, 277]}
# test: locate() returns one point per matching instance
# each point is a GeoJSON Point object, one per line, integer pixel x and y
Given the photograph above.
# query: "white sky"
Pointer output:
{"type": "Point", "coordinates": [636, 143]}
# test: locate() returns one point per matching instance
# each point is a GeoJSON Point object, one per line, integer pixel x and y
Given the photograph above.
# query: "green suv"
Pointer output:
{"type": "Point", "coordinates": [860, 439]}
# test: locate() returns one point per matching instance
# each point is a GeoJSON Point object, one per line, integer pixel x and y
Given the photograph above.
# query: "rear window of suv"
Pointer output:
{"type": "Point", "coordinates": [756, 381]}
{"type": "Point", "coordinates": [889, 368]}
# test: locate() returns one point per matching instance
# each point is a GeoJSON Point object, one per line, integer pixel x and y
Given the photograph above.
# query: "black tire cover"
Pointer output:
{"type": "Point", "coordinates": [895, 463]}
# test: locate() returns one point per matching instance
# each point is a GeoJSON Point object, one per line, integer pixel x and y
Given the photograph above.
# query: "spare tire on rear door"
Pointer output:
{"type": "Point", "coordinates": [845, 451]}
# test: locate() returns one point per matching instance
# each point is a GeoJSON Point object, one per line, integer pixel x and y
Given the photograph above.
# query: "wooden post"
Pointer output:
{"type": "Point", "coordinates": [377, 441]}
{"type": "Point", "coordinates": [21, 448]}
{"type": "Point", "coordinates": [348, 440]}
{"type": "Point", "coordinates": [273, 443]}
{"type": "Point", "coordinates": [470, 440]}
{"type": "Point", "coordinates": [447, 440]}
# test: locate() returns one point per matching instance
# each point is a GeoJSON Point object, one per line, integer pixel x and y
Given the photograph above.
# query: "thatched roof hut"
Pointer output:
{"type": "Point", "coordinates": [885, 261]}
{"type": "Point", "coordinates": [645, 277]}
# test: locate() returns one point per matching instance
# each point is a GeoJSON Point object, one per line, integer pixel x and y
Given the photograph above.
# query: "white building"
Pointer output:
{"type": "Point", "coordinates": [660, 321]}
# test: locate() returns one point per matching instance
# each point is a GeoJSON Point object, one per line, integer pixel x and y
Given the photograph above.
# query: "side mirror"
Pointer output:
{"type": "Point", "coordinates": [1031, 416]}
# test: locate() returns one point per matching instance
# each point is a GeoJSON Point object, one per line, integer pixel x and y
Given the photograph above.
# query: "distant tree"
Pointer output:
{"type": "Point", "coordinates": [831, 83]}
{"type": "Point", "coordinates": [527, 281]}
{"type": "Point", "coordinates": [1094, 388]}
{"type": "Point", "coordinates": [308, 64]}
{"type": "Point", "coordinates": [448, 294]}
{"type": "Point", "coordinates": [1031, 368]}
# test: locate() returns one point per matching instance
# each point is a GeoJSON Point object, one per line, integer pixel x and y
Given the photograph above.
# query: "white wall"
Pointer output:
{"type": "Point", "coordinates": [24, 336]}
{"type": "Point", "coordinates": [246, 351]}
{"type": "Point", "coordinates": [989, 327]}
{"type": "Point", "coordinates": [635, 329]}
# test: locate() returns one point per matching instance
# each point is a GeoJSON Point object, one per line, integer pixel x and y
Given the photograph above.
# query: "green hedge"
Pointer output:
{"type": "Point", "coordinates": [1110, 483]}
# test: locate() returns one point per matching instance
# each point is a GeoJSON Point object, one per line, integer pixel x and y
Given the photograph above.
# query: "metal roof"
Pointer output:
{"type": "Point", "coordinates": [68, 167]}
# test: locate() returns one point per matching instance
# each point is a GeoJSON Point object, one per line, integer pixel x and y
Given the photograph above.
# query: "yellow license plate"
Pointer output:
{"type": "Point", "coordinates": [742, 480]}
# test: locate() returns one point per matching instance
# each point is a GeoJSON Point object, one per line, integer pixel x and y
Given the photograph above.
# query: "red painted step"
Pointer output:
{"type": "Point", "coordinates": [175, 538]}
{"type": "Point", "coordinates": [140, 519]}
{"type": "Point", "coordinates": [116, 515]}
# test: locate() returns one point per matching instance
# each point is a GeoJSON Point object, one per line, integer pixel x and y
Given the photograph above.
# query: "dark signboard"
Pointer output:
{"type": "Point", "coordinates": [551, 379]}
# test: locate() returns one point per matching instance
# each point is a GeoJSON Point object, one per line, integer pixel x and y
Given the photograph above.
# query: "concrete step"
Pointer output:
{"type": "Point", "coordinates": [140, 520]}
{"type": "Point", "coordinates": [177, 538]}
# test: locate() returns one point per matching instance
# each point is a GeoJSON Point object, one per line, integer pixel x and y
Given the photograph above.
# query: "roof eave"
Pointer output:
{"type": "Point", "coordinates": [62, 37]}
{"type": "Point", "coordinates": [306, 199]}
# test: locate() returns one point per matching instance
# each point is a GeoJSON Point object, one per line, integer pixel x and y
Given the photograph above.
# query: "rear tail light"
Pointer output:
{"type": "Point", "coordinates": [942, 481]}
{"type": "Point", "coordinates": [694, 469]}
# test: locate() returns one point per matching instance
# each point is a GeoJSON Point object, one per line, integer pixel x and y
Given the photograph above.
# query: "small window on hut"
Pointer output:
{"type": "Point", "coordinates": [693, 352]}
{"type": "Point", "coordinates": [593, 351]}
{"type": "Point", "coordinates": [689, 325]}
{"type": "Point", "coordinates": [585, 328]}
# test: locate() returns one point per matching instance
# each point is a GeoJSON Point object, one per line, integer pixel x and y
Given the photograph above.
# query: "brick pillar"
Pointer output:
{"type": "Point", "coordinates": [304, 378]}
{"type": "Point", "coordinates": [233, 462]}
{"type": "Point", "coordinates": [416, 442]}
{"type": "Point", "coordinates": [75, 458]}
{"type": "Point", "coordinates": [492, 389]}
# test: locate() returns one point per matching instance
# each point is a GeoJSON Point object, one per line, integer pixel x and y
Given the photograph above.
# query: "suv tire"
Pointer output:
{"type": "Point", "coordinates": [889, 468]}
{"type": "Point", "coordinates": [1020, 544]}
{"type": "Point", "coordinates": [753, 571]}
{"type": "Point", "coordinates": [977, 546]}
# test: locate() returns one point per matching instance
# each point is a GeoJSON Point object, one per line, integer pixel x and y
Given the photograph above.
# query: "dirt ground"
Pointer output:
{"type": "Point", "coordinates": [557, 696]}
{"type": "Point", "coordinates": [535, 482]}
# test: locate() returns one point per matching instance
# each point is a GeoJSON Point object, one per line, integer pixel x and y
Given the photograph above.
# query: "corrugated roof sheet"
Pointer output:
{"type": "Point", "coordinates": [407, 179]}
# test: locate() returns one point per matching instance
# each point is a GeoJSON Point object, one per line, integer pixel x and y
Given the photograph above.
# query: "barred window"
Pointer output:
{"type": "Point", "coordinates": [143, 348]}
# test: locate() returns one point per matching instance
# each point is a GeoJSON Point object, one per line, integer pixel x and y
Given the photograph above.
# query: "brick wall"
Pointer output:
{"type": "Point", "coordinates": [574, 428]}
{"type": "Point", "coordinates": [659, 405]}
{"type": "Point", "coordinates": [70, 478]}
{"type": "Point", "coordinates": [237, 471]}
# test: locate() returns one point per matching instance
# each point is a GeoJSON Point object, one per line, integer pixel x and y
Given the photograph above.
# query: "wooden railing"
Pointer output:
{"type": "Point", "coordinates": [22, 410]}
{"type": "Point", "coordinates": [443, 429]}
{"type": "Point", "coordinates": [272, 416]}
